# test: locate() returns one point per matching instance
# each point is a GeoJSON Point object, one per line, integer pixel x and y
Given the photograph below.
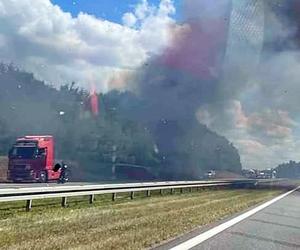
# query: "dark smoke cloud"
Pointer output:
{"type": "Point", "coordinates": [235, 66]}
{"type": "Point", "coordinates": [187, 73]}
{"type": "Point", "coordinates": [185, 76]}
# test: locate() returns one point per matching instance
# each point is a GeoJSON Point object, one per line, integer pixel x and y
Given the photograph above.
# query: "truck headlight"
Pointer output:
{"type": "Point", "coordinates": [27, 167]}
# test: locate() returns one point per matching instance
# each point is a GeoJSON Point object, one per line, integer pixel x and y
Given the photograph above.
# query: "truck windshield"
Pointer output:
{"type": "Point", "coordinates": [23, 152]}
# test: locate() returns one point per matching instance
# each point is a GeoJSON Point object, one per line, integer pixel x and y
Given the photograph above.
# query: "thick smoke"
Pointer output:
{"type": "Point", "coordinates": [187, 73]}
{"type": "Point", "coordinates": [234, 66]}
{"type": "Point", "coordinates": [173, 85]}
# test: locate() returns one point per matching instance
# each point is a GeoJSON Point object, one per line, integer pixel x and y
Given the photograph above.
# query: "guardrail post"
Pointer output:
{"type": "Point", "coordinates": [114, 196]}
{"type": "Point", "coordinates": [172, 190]}
{"type": "Point", "coordinates": [28, 205]}
{"type": "Point", "coordinates": [148, 193]}
{"type": "Point", "coordinates": [190, 189]}
{"type": "Point", "coordinates": [64, 201]}
{"type": "Point", "coordinates": [181, 190]}
{"type": "Point", "coordinates": [161, 192]}
{"type": "Point", "coordinates": [132, 195]}
{"type": "Point", "coordinates": [92, 199]}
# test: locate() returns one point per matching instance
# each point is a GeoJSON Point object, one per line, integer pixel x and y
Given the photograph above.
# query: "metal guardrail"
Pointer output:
{"type": "Point", "coordinates": [31, 193]}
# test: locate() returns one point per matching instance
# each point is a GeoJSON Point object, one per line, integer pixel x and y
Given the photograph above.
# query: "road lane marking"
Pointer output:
{"type": "Point", "coordinates": [218, 229]}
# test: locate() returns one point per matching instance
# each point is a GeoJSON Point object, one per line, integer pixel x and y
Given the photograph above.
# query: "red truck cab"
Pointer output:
{"type": "Point", "coordinates": [32, 159]}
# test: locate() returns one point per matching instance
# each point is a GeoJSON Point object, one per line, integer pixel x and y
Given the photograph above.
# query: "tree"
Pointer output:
{"type": "Point", "coordinates": [171, 148]}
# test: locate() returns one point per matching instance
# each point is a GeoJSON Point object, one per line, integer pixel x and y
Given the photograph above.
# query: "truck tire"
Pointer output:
{"type": "Point", "coordinates": [43, 177]}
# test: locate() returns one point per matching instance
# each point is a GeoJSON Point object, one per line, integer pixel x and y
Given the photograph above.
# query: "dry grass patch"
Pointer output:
{"type": "Point", "coordinates": [124, 224]}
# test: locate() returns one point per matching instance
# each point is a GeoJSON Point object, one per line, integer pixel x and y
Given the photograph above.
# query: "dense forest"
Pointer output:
{"type": "Point", "coordinates": [171, 149]}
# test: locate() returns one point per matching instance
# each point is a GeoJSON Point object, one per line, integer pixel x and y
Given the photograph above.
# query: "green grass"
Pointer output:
{"type": "Point", "coordinates": [123, 224]}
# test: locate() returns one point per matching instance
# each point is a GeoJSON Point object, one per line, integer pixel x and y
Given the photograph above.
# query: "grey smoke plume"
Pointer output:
{"type": "Point", "coordinates": [187, 73]}
{"type": "Point", "coordinates": [234, 65]}
{"type": "Point", "coordinates": [173, 85]}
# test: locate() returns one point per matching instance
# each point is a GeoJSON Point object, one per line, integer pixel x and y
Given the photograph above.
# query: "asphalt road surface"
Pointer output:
{"type": "Point", "coordinates": [274, 227]}
{"type": "Point", "coordinates": [53, 184]}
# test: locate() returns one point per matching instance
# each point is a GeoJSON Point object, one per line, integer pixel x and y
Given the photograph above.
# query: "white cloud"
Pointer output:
{"type": "Point", "coordinates": [129, 19]}
{"type": "Point", "coordinates": [264, 138]}
{"type": "Point", "coordinates": [143, 9]}
{"type": "Point", "coordinates": [254, 154]}
{"type": "Point", "coordinates": [40, 37]}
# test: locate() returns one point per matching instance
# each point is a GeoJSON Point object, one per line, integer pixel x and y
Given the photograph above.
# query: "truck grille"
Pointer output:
{"type": "Point", "coordinates": [19, 167]}
{"type": "Point", "coordinates": [19, 172]}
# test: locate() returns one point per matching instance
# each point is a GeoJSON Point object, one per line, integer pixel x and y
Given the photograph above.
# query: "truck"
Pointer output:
{"type": "Point", "coordinates": [31, 158]}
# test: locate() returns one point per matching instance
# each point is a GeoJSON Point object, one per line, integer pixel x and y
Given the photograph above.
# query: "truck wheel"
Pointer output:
{"type": "Point", "coordinates": [43, 178]}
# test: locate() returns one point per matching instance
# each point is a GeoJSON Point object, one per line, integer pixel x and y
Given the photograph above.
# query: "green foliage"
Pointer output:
{"type": "Point", "coordinates": [29, 106]}
{"type": "Point", "coordinates": [288, 170]}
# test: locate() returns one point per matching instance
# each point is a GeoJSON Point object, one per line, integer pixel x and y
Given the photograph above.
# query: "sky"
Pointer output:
{"type": "Point", "coordinates": [75, 40]}
{"type": "Point", "coordinates": [102, 43]}
{"type": "Point", "coordinates": [111, 10]}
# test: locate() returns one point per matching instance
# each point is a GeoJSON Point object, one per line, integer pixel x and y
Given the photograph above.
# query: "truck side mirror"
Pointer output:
{"type": "Point", "coordinates": [10, 152]}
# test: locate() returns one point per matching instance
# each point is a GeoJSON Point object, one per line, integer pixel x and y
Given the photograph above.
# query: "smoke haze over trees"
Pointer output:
{"type": "Point", "coordinates": [236, 65]}
{"type": "Point", "coordinates": [29, 106]}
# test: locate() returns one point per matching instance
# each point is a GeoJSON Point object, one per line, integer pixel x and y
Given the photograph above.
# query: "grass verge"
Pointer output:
{"type": "Point", "coordinates": [3, 168]}
{"type": "Point", "coordinates": [123, 224]}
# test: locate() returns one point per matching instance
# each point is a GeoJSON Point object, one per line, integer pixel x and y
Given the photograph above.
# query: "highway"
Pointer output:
{"type": "Point", "coordinates": [71, 184]}
{"type": "Point", "coordinates": [54, 184]}
{"type": "Point", "coordinates": [6, 185]}
{"type": "Point", "coordinates": [274, 226]}
{"type": "Point", "coordinates": [32, 185]}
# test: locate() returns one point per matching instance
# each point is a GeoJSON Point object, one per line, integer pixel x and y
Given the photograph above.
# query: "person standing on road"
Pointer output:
{"type": "Point", "coordinates": [63, 173]}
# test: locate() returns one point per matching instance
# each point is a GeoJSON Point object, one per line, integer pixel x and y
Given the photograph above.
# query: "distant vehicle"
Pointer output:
{"type": "Point", "coordinates": [249, 173]}
{"type": "Point", "coordinates": [211, 174]}
{"type": "Point", "coordinates": [267, 174]}
{"type": "Point", "coordinates": [133, 172]}
{"type": "Point", "coordinates": [261, 175]}
{"type": "Point", "coordinates": [32, 159]}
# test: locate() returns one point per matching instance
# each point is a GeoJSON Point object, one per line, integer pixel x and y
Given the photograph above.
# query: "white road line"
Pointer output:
{"type": "Point", "coordinates": [218, 229]}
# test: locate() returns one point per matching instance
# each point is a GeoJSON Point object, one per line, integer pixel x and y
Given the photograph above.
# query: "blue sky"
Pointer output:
{"type": "Point", "coordinates": [111, 10]}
